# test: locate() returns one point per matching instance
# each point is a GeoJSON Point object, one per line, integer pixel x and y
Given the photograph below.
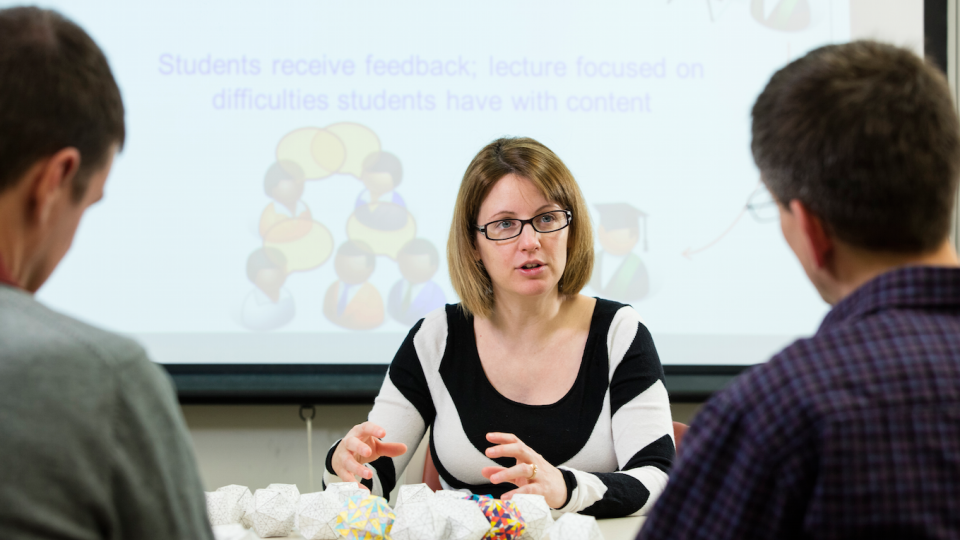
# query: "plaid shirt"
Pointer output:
{"type": "Point", "coordinates": [853, 433]}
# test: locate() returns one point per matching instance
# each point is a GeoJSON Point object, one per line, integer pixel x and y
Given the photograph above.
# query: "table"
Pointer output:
{"type": "Point", "coordinates": [612, 529]}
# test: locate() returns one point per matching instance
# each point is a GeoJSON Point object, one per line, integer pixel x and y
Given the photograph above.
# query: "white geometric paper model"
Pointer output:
{"type": "Point", "coordinates": [419, 521]}
{"type": "Point", "coordinates": [289, 491]}
{"type": "Point", "coordinates": [292, 494]}
{"type": "Point", "coordinates": [243, 503]}
{"type": "Point", "coordinates": [465, 520]}
{"type": "Point", "coordinates": [345, 490]}
{"type": "Point", "coordinates": [273, 513]}
{"type": "Point", "coordinates": [219, 509]}
{"type": "Point", "coordinates": [574, 527]}
{"type": "Point", "coordinates": [452, 494]}
{"type": "Point", "coordinates": [317, 515]}
{"type": "Point", "coordinates": [536, 513]}
{"type": "Point", "coordinates": [413, 493]}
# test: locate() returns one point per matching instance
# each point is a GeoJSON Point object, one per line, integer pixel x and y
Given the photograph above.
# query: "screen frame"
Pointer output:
{"type": "Point", "coordinates": [360, 384]}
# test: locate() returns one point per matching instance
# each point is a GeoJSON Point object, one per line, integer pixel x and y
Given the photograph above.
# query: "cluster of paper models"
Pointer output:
{"type": "Point", "coordinates": [365, 517]}
{"type": "Point", "coordinates": [347, 511]}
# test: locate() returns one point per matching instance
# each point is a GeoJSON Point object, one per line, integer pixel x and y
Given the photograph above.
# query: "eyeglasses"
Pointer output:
{"type": "Point", "coordinates": [547, 222]}
{"type": "Point", "coordinates": [762, 205]}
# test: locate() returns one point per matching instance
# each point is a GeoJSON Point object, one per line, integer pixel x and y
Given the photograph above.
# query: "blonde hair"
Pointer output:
{"type": "Point", "coordinates": [528, 159]}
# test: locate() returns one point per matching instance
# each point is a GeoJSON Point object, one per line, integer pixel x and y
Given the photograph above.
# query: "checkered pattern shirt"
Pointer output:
{"type": "Point", "coordinates": [853, 433]}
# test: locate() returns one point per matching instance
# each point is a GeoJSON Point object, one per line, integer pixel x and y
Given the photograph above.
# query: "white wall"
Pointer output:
{"type": "Point", "coordinates": [257, 445]}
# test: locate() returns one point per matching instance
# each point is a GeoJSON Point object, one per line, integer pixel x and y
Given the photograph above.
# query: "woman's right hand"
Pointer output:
{"type": "Point", "coordinates": [361, 445]}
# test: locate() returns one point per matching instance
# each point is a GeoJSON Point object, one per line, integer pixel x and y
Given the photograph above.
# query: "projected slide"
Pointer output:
{"type": "Point", "coordinates": [286, 190]}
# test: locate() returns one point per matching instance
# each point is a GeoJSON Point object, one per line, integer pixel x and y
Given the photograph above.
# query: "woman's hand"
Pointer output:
{"type": "Point", "coordinates": [361, 445]}
{"type": "Point", "coordinates": [547, 482]}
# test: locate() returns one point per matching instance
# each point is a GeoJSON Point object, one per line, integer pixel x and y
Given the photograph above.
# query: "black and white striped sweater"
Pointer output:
{"type": "Point", "coordinates": [611, 434]}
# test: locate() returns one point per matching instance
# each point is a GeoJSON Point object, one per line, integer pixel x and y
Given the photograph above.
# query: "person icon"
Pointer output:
{"type": "Point", "coordinates": [416, 294]}
{"type": "Point", "coordinates": [379, 206]}
{"type": "Point", "coordinates": [382, 173]}
{"type": "Point", "coordinates": [269, 305]}
{"type": "Point", "coordinates": [287, 225]}
{"type": "Point", "coordinates": [619, 273]}
{"type": "Point", "coordinates": [284, 183]}
{"type": "Point", "coordinates": [352, 302]}
{"type": "Point", "coordinates": [380, 218]}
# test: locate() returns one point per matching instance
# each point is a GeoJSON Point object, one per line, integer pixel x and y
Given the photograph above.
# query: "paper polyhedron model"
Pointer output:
{"type": "Point", "coordinates": [365, 517]}
{"type": "Point", "coordinates": [453, 494]}
{"type": "Point", "coordinates": [413, 493]}
{"type": "Point", "coordinates": [317, 515]}
{"type": "Point", "coordinates": [574, 527]}
{"type": "Point", "coordinates": [244, 503]}
{"type": "Point", "coordinates": [465, 520]}
{"type": "Point", "coordinates": [536, 515]}
{"type": "Point", "coordinates": [289, 491]}
{"type": "Point", "coordinates": [292, 494]}
{"type": "Point", "coordinates": [345, 490]}
{"type": "Point", "coordinates": [505, 521]}
{"type": "Point", "coordinates": [419, 521]}
{"type": "Point", "coordinates": [219, 509]}
{"type": "Point", "coordinates": [273, 513]}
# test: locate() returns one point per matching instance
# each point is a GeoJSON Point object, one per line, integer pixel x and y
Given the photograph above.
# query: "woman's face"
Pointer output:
{"type": "Point", "coordinates": [530, 264]}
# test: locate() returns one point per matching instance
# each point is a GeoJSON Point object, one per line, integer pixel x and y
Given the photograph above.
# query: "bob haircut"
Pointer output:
{"type": "Point", "coordinates": [528, 159]}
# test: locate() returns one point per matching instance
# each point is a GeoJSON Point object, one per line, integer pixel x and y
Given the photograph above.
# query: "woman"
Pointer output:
{"type": "Point", "coordinates": [528, 386]}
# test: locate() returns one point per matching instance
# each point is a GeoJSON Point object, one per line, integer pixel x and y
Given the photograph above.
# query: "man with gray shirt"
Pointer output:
{"type": "Point", "coordinates": [92, 443]}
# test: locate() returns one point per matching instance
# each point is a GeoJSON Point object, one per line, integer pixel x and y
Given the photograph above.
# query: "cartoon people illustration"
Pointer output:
{"type": "Point", "coordinates": [268, 306]}
{"type": "Point", "coordinates": [416, 294]}
{"type": "Point", "coordinates": [379, 224]}
{"type": "Point", "coordinates": [352, 302]}
{"type": "Point", "coordinates": [618, 272]}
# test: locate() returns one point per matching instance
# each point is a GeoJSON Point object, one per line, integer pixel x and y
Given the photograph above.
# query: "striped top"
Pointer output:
{"type": "Point", "coordinates": [611, 434]}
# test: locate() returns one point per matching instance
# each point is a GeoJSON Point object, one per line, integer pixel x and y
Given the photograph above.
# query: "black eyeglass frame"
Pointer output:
{"type": "Point", "coordinates": [755, 210]}
{"type": "Point", "coordinates": [523, 222]}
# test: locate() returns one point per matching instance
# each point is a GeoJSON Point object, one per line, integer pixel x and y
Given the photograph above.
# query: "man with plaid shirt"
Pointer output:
{"type": "Point", "coordinates": [854, 432]}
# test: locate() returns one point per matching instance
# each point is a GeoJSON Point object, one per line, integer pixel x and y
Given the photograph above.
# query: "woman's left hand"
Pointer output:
{"type": "Point", "coordinates": [548, 480]}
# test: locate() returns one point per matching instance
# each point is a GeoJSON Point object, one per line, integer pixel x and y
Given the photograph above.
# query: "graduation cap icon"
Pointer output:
{"type": "Point", "coordinates": [615, 216]}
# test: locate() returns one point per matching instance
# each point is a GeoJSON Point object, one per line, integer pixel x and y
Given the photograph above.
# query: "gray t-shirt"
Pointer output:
{"type": "Point", "coordinates": [92, 442]}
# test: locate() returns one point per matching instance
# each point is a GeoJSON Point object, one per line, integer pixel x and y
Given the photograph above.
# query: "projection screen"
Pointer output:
{"type": "Point", "coordinates": [286, 188]}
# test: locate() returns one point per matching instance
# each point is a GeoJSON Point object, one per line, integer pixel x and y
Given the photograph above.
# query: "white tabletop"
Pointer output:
{"type": "Point", "coordinates": [612, 529]}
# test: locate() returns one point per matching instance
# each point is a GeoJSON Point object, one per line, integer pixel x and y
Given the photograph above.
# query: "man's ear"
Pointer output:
{"type": "Point", "coordinates": [52, 180]}
{"type": "Point", "coordinates": [818, 242]}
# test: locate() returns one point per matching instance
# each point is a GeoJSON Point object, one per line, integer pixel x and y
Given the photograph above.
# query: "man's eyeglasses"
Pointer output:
{"type": "Point", "coordinates": [762, 205]}
{"type": "Point", "coordinates": [547, 222]}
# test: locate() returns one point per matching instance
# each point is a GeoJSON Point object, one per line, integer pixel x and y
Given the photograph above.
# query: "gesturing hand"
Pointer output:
{"type": "Point", "coordinates": [361, 445]}
{"type": "Point", "coordinates": [548, 480]}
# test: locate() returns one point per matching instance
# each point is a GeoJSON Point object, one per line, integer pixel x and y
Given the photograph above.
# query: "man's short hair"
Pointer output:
{"type": "Point", "coordinates": [56, 91]}
{"type": "Point", "coordinates": [866, 136]}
